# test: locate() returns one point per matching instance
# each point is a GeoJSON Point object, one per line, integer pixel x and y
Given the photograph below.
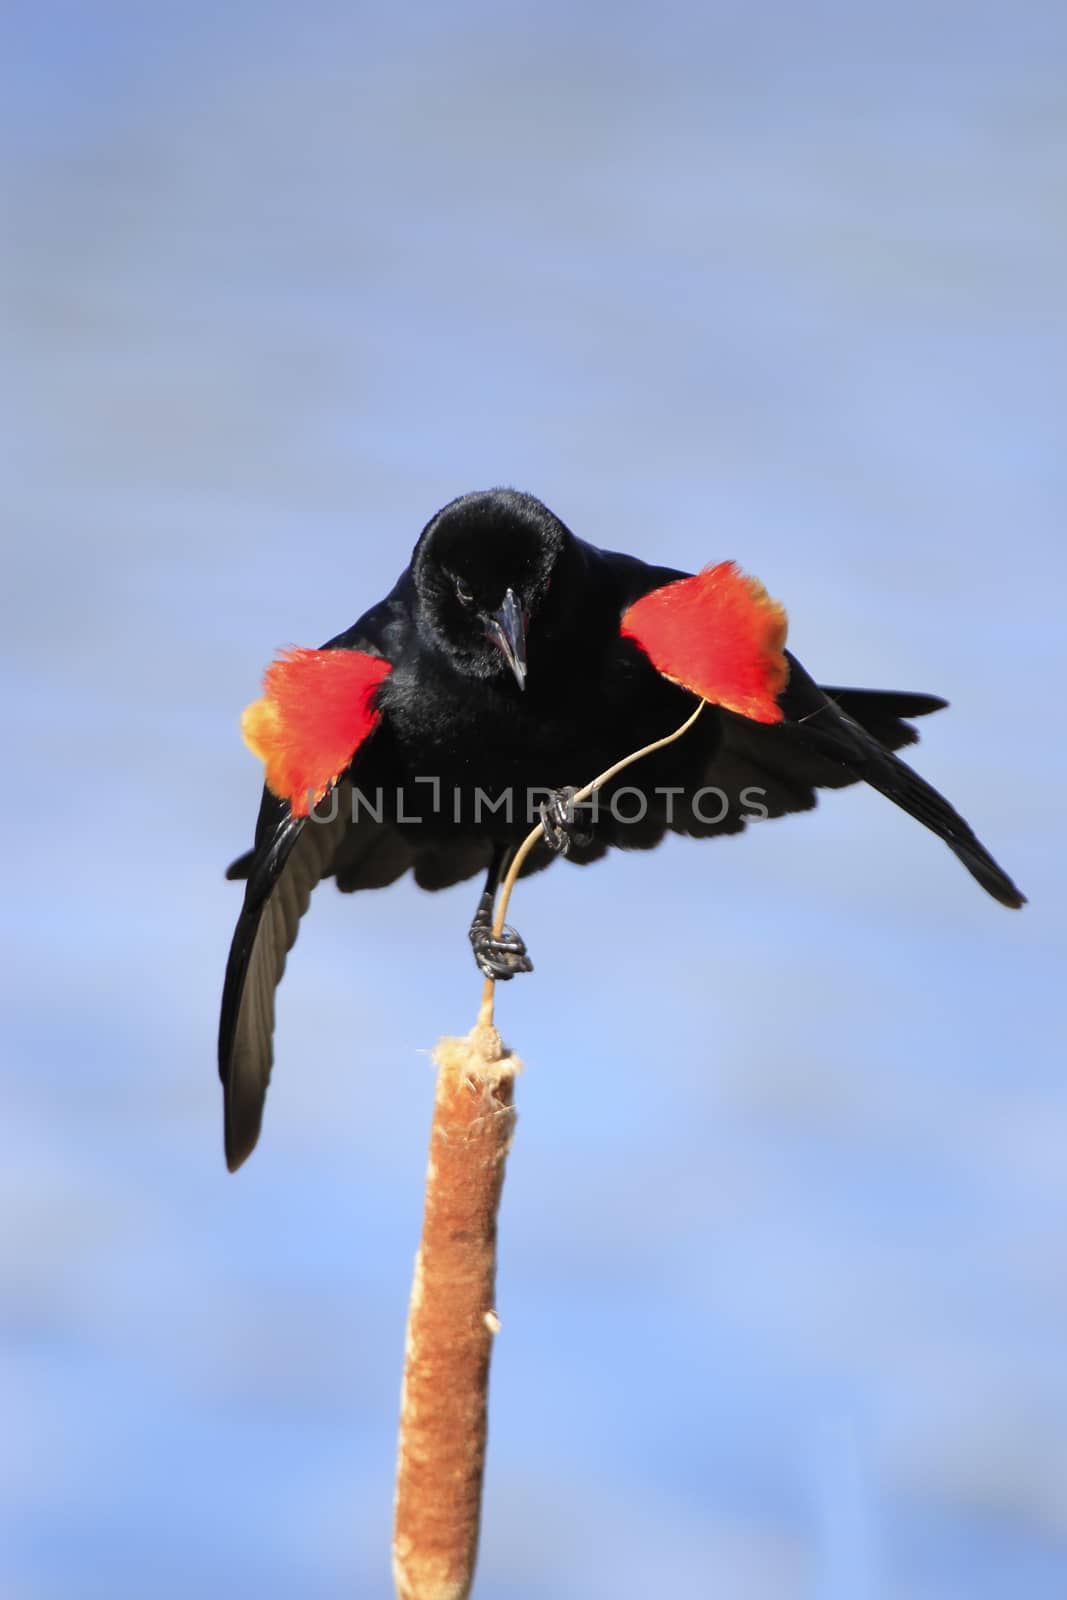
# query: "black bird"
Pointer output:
{"type": "Point", "coordinates": [511, 662]}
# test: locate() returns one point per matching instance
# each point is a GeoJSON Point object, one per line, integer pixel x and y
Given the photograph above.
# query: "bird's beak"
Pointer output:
{"type": "Point", "coordinates": [507, 629]}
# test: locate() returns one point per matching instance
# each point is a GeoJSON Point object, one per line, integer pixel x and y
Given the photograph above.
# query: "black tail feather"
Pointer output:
{"type": "Point", "coordinates": [241, 869]}
{"type": "Point", "coordinates": [882, 712]}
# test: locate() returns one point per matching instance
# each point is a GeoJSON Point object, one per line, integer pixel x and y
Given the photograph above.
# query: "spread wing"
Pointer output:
{"type": "Point", "coordinates": [293, 849]}
{"type": "Point", "coordinates": [291, 856]}
{"type": "Point", "coordinates": [720, 635]}
{"type": "Point", "coordinates": [831, 738]}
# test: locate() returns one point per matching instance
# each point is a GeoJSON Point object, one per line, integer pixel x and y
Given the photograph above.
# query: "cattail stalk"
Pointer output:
{"type": "Point", "coordinates": [452, 1319]}
{"type": "Point", "coordinates": [452, 1322]}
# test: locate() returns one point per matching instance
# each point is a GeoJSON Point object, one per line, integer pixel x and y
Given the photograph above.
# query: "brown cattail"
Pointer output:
{"type": "Point", "coordinates": [452, 1321]}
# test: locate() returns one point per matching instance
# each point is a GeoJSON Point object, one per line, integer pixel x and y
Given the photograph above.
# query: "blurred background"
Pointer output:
{"type": "Point", "coordinates": [784, 1235]}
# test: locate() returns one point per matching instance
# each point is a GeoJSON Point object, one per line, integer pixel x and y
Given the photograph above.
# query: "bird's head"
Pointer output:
{"type": "Point", "coordinates": [482, 570]}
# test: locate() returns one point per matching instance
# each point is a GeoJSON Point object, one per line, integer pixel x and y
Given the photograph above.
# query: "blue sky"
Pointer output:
{"type": "Point", "coordinates": [783, 1282]}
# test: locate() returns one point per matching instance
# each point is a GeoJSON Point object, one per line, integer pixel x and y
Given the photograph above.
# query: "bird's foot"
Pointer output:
{"type": "Point", "coordinates": [499, 956]}
{"type": "Point", "coordinates": [558, 822]}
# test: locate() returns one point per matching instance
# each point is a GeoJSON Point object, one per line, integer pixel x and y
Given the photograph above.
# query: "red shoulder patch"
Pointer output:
{"type": "Point", "coordinates": [718, 634]}
{"type": "Point", "coordinates": [315, 713]}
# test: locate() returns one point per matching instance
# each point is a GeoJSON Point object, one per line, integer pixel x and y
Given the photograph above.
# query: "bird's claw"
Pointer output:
{"type": "Point", "coordinates": [558, 822]}
{"type": "Point", "coordinates": [499, 956]}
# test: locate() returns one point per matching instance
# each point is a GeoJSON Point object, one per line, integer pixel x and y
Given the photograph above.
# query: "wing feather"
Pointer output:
{"type": "Point", "coordinates": [298, 854]}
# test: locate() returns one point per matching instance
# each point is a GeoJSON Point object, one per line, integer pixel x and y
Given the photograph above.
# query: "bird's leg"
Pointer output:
{"type": "Point", "coordinates": [502, 955]}
{"type": "Point", "coordinates": [558, 822]}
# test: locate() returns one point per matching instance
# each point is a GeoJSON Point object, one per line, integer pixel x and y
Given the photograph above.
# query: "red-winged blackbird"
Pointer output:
{"type": "Point", "coordinates": [511, 662]}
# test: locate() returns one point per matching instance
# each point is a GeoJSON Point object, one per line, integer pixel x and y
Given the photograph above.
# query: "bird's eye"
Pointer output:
{"type": "Point", "coordinates": [463, 594]}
